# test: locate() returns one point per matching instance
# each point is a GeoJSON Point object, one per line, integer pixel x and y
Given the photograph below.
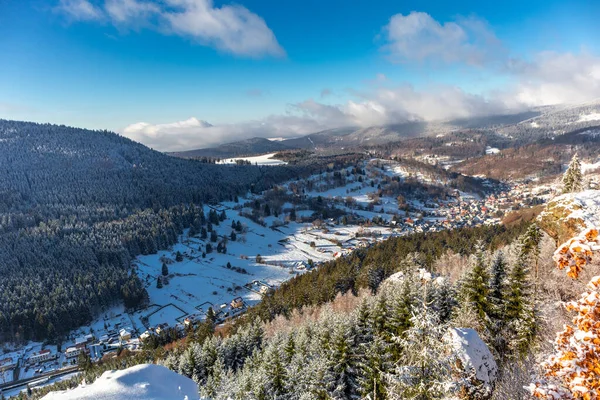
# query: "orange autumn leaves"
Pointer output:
{"type": "Point", "coordinates": [573, 372]}
{"type": "Point", "coordinates": [577, 252]}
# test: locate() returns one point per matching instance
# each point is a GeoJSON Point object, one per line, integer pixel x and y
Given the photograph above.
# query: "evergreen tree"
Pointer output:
{"type": "Point", "coordinates": [165, 269]}
{"type": "Point", "coordinates": [341, 377]}
{"type": "Point", "coordinates": [203, 233]}
{"type": "Point", "coordinates": [520, 312]}
{"type": "Point", "coordinates": [233, 236]}
{"type": "Point", "coordinates": [399, 319]}
{"type": "Point", "coordinates": [179, 256]}
{"type": "Point", "coordinates": [376, 276]}
{"type": "Point", "coordinates": [208, 248]}
{"type": "Point", "coordinates": [290, 349]}
{"type": "Point", "coordinates": [573, 178]}
{"type": "Point", "coordinates": [213, 236]}
{"type": "Point", "coordinates": [159, 283]}
{"type": "Point", "coordinates": [531, 242]}
{"type": "Point", "coordinates": [379, 316]}
{"type": "Point", "coordinates": [372, 368]}
{"type": "Point", "coordinates": [276, 376]}
{"type": "Point", "coordinates": [425, 370]}
{"type": "Point", "coordinates": [444, 300]}
{"type": "Point", "coordinates": [475, 289]}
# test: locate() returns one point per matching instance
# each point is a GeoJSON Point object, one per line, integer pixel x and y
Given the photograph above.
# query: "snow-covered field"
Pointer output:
{"type": "Point", "coordinates": [491, 150]}
{"type": "Point", "coordinates": [265, 159]}
{"type": "Point", "coordinates": [197, 282]}
{"type": "Point", "coordinates": [589, 117]}
{"type": "Point", "coordinates": [141, 382]}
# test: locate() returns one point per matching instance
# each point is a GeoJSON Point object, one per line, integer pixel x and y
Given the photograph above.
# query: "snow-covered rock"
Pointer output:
{"type": "Point", "coordinates": [569, 214]}
{"type": "Point", "coordinates": [474, 354]}
{"type": "Point", "coordinates": [142, 382]}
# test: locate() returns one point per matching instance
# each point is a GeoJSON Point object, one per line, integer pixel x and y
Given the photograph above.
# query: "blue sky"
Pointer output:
{"type": "Point", "coordinates": [273, 68]}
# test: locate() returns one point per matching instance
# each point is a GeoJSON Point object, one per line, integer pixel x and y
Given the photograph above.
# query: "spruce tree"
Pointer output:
{"type": "Point", "coordinates": [444, 300]}
{"type": "Point", "coordinates": [179, 256]}
{"type": "Point", "coordinates": [531, 242]}
{"type": "Point", "coordinates": [276, 375]}
{"type": "Point", "coordinates": [401, 310]}
{"type": "Point", "coordinates": [425, 370]}
{"type": "Point", "coordinates": [159, 283]}
{"type": "Point", "coordinates": [573, 179]}
{"type": "Point", "coordinates": [498, 287]}
{"type": "Point", "coordinates": [498, 291]}
{"type": "Point", "coordinates": [372, 367]}
{"type": "Point", "coordinates": [475, 289]}
{"type": "Point", "coordinates": [165, 269]}
{"type": "Point", "coordinates": [520, 311]}
{"type": "Point", "coordinates": [341, 378]}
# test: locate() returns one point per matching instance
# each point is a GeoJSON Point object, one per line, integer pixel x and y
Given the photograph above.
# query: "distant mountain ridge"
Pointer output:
{"type": "Point", "coordinates": [241, 148]}
{"type": "Point", "coordinates": [525, 126]}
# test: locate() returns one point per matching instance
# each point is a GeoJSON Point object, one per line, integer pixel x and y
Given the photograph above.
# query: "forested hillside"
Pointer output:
{"type": "Point", "coordinates": [344, 331]}
{"type": "Point", "coordinates": [76, 205]}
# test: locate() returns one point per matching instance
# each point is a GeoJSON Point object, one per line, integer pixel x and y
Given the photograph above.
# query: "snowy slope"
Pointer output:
{"type": "Point", "coordinates": [142, 382]}
{"type": "Point", "coordinates": [569, 214]}
{"type": "Point", "coordinates": [265, 159]}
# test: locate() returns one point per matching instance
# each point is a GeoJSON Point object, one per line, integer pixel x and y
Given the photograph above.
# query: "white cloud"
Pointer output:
{"type": "Point", "coordinates": [547, 78]}
{"type": "Point", "coordinates": [230, 28]}
{"type": "Point", "coordinates": [79, 10]}
{"type": "Point", "coordinates": [555, 78]}
{"type": "Point", "coordinates": [193, 133]}
{"type": "Point", "coordinates": [130, 11]}
{"type": "Point", "coordinates": [418, 37]}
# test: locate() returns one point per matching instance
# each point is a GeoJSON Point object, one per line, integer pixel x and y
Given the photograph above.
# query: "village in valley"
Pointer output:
{"type": "Point", "coordinates": [243, 249]}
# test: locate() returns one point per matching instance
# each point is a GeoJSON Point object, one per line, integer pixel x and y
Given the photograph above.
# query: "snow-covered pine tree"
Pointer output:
{"type": "Point", "coordinates": [573, 178]}
{"type": "Point", "coordinates": [372, 367]}
{"type": "Point", "coordinates": [379, 316]}
{"type": "Point", "coordinates": [444, 299]}
{"type": "Point", "coordinates": [531, 242]}
{"type": "Point", "coordinates": [475, 289]}
{"type": "Point", "coordinates": [213, 383]}
{"type": "Point", "coordinates": [520, 311]}
{"type": "Point", "coordinates": [425, 370]}
{"type": "Point", "coordinates": [275, 373]}
{"type": "Point", "coordinates": [498, 288]}
{"type": "Point", "coordinates": [341, 377]}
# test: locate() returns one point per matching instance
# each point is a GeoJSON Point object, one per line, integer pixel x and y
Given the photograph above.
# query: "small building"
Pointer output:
{"type": "Point", "coordinates": [145, 335]}
{"type": "Point", "coordinates": [124, 334]}
{"type": "Point", "coordinates": [264, 289]}
{"type": "Point", "coordinates": [72, 352]}
{"type": "Point", "coordinates": [7, 363]}
{"type": "Point", "coordinates": [238, 302]}
{"type": "Point", "coordinates": [41, 356]}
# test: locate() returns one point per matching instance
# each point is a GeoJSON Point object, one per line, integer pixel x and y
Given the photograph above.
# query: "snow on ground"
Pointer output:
{"type": "Point", "coordinates": [583, 206]}
{"type": "Point", "coordinates": [585, 167]}
{"type": "Point", "coordinates": [491, 150]}
{"type": "Point", "coordinates": [474, 354]}
{"type": "Point", "coordinates": [142, 382]}
{"type": "Point", "coordinates": [589, 117]}
{"type": "Point", "coordinates": [265, 159]}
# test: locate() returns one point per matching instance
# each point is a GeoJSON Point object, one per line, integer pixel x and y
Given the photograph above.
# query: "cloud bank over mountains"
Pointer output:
{"type": "Point", "coordinates": [414, 39]}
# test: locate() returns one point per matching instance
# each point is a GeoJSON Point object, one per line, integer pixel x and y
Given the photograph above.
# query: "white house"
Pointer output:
{"type": "Point", "coordinates": [40, 356]}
